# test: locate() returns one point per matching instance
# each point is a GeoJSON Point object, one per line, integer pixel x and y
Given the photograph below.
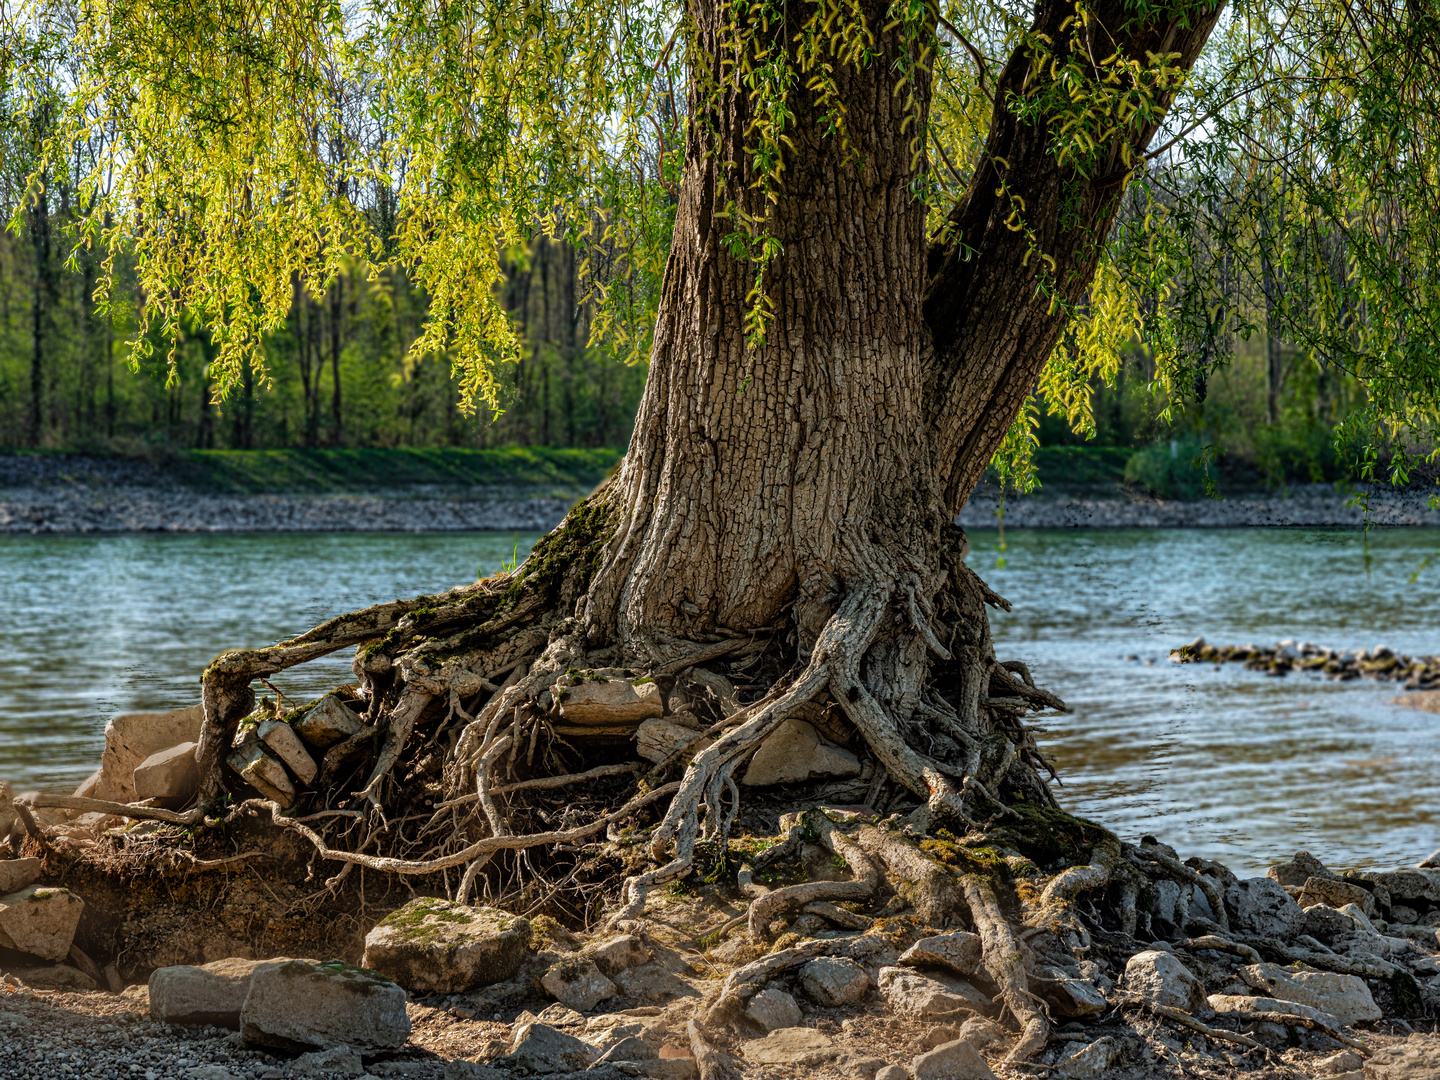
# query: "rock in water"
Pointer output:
{"type": "Point", "coordinates": [578, 984]}
{"type": "Point", "coordinates": [40, 921]}
{"type": "Point", "coordinates": [171, 775]}
{"type": "Point", "coordinates": [17, 874]}
{"type": "Point", "coordinates": [960, 952]}
{"type": "Point", "coordinates": [1345, 997]}
{"type": "Point", "coordinates": [773, 1009]}
{"type": "Point", "coordinates": [281, 738]}
{"type": "Point", "coordinates": [439, 947]}
{"type": "Point", "coordinates": [541, 1049]}
{"type": "Point", "coordinates": [303, 1006]}
{"type": "Point", "coordinates": [833, 981]}
{"type": "Point", "coordinates": [1261, 906]}
{"type": "Point", "coordinates": [212, 993]}
{"type": "Point", "coordinates": [957, 1060]}
{"type": "Point", "coordinates": [330, 721]}
{"type": "Point", "coordinates": [794, 753]}
{"type": "Point", "coordinates": [1163, 980]}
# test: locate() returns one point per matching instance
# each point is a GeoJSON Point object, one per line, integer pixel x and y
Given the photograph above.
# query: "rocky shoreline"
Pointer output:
{"type": "Point", "coordinates": [99, 495]}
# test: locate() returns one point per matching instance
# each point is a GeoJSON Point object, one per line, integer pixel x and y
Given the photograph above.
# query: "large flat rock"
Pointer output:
{"type": "Point", "coordinates": [303, 1006]}
{"type": "Point", "coordinates": [436, 946]}
{"type": "Point", "coordinates": [130, 738]}
{"type": "Point", "coordinates": [212, 993]}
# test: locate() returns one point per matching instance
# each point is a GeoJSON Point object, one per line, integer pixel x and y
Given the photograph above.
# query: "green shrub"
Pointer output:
{"type": "Point", "coordinates": [1168, 469]}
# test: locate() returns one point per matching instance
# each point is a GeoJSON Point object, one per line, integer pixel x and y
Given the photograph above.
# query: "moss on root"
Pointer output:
{"type": "Point", "coordinates": [569, 554]}
{"type": "Point", "coordinates": [1048, 836]}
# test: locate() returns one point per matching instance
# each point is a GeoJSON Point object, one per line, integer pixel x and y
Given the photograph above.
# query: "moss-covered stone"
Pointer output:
{"type": "Point", "coordinates": [436, 946]}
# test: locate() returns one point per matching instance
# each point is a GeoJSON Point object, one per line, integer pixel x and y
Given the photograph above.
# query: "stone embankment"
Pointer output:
{"type": "Point", "coordinates": [1314, 505]}
{"type": "Point", "coordinates": [1304, 972]}
{"type": "Point", "coordinates": [98, 495]}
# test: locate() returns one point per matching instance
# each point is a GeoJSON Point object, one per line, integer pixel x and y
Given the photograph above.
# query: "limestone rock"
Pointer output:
{"type": "Point", "coordinates": [1229, 1003]}
{"type": "Point", "coordinates": [893, 1072]}
{"type": "Point", "coordinates": [1416, 884]}
{"type": "Point", "coordinates": [62, 977]}
{"type": "Point", "coordinates": [917, 996]}
{"type": "Point", "coordinates": [1089, 1060]}
{"type": "Point", "coordinates": [302, 1006]}
{"type": "Point", "coordinates": [1343, 996]}
{"type": "Point", "coordinates": [40, 921]}
{"type": "Point", "coordinates": [1067, 996]}
{"type": "Point", "coordinates": [170, 775]}
{"type": "Point", "coordinates": [1325, 924]}
{"type": "Point", "coordinates": [542, 1049]}
{"type": "Point", "coordinates": [792, 1046]}
{"type": "Point", "coordinates": [773, 1009]}
{"type": "Point", "coordinates": [261, 771]}
{"type": "Point", "coordinates": [652, 984]}
{"type": "Point", "coordinates": [339, 1061]}
{"type": "Point", "coordinates": [1261, 906]}
{"type": "Point", "coordinates": [1299, 870]}
{"type": "Point", "coordinates": [1417, 1058]}
{"type": "Point", "coordinates": [958, 1060]}
{"type": "Point", "coordinates": [130, 738]}
{"type": "Point", "coordinates": [1336, 894]}
{"type": "Point", "coordinates": [605, 696]}
{"type": "Point", "coordinates": [1160, 978]}
{"type": "Point", "coordinates": [7, 810]}
{"type": "Point", "coordinates": [1343, 1062]}
{"type": "Point", "coordinates": [832, 981]}
{"type": "Point", "coordinates": [17, 874]}
{"type": "Point", "coordinates": [578, 984]}
{"type": "Point", "coordinates": [212, 993]}
{"type": "Point", "coordinates": [618, 954]}
{"type": "Point", "coordinates": [659, 740]}
{"type": "Point", "coordinates": [328, 722]}
{"type": "Point", "coordinates": [980, 1032]}
{"type": "Point", "coordinates": [282, 739]}
{"type": "Point", "coordinates": [959, 951]}
{"type": "Point", "coordinates": [436, 946]}
{"type": "Point", "coordinates": [794, 753]}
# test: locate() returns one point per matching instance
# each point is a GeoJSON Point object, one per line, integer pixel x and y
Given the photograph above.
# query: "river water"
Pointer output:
{"type": "Point", "coordinates": [1225, 763]}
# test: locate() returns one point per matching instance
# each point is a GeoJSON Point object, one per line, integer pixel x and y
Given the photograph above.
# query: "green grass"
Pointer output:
{"type": "Point", "coordinates": [563, 471]}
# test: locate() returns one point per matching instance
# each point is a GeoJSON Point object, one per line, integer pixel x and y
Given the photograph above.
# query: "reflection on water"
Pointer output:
{"type": "Point", "coordinates": [1224, 763]}
{"type": "Point", "coordinates": [95, 625]}
{"type": "Point", "coordinates": [1227, 763]}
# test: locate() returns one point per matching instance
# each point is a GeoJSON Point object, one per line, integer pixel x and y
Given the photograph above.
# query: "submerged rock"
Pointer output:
{"type": "Point", "coordinates": [40, 921]}
{"type": "Point", "coordinates": [304, 1006]}
{"type": "Point", "coordinates": [436, 946]}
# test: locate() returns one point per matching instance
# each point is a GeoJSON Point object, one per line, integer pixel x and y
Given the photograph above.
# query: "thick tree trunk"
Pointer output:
{"type": "Point", "coordinates": [758, 478]}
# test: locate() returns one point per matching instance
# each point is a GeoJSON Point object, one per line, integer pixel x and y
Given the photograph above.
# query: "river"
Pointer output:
{"type": "Point", "coordinates": [1229, 764]}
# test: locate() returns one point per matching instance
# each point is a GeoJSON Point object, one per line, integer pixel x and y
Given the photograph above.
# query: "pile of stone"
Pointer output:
{"type": "Point", "coordinates": [1381, 663]}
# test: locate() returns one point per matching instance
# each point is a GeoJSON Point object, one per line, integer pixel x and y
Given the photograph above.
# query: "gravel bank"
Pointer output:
{"type": "Point", "coordinates": [1315, 505]}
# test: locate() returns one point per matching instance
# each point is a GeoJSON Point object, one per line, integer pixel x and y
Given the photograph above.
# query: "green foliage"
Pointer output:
{"type": "Point", "coordinates": [1167, 468]}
